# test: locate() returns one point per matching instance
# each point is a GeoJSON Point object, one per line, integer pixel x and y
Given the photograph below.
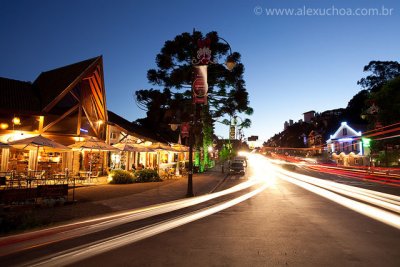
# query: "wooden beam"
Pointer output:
{"type": "Point", "coordinates": [74, 95]}
{"type": "Point", "coordinates": [90, 122]}
{"type": "Point", "coordinates": [60, 118]}
{"type": "Point", "coordinates": [97, 100]}
{"type": "Point", "coordinates": [98, 80]}
{"type": "Point", "coordinates": [71, 86]}
{"type": "Point", "coordinates": [100, 71]}
{"type": "Point", "coordinates": [79, 124]}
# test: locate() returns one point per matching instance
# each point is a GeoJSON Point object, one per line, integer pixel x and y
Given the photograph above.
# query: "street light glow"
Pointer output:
{"type": "Point", "coordinates": [16, 121]}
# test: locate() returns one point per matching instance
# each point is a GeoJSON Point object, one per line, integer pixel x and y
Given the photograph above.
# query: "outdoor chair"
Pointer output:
{"type": "Point", "coordinates": [41, 177]}
{"type": "Point", "coordinates": [95, 176]}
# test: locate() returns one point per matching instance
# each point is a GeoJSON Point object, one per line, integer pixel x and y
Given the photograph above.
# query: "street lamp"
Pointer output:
{"type": "Point", "coordinates": [230, 62]}
{"type": "Point", "coordinates": [199, 92]}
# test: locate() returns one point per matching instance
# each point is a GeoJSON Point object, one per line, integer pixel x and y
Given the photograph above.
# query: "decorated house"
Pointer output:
{"type": "Point", "coordinates": [346, 147]}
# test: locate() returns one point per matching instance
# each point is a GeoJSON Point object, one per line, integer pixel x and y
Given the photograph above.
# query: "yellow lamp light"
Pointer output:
{"type": "Point", "coordinates": [4, 126]}
{"type": "Point", "coordinates": [16, 121]}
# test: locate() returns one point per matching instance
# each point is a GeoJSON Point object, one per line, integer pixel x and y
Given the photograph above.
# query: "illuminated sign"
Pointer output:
{"type": "Point", "coordinates": [366, 142]}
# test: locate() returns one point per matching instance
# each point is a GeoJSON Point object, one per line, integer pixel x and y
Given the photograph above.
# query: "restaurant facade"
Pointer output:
{"type": "Point", "coordinates": [68, 105]}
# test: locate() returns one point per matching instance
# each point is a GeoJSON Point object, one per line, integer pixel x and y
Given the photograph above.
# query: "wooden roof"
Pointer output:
{"type": "Point", "coordinates": [45, 90]}
{"type": "Point", "coordinates": [18, 96]}
{"type": "Point", "coordinates": [54, 84]}
{"type": "Point", "coordinates": [132, 128]}
{"type": "Point", "coordinates": [75, 88]}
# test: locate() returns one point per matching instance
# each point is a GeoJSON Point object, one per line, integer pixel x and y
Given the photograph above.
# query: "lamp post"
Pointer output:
{"type": "Point", "coordinates": [200, 62]}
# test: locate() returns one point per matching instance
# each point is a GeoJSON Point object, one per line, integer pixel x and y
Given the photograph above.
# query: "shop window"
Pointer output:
{"type": "Point", "coordinates": [337, 146]}
{"type": "Point", "coordinates": [354, 146]}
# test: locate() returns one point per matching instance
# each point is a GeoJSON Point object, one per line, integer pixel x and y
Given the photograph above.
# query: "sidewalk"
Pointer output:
{"type": "Point", "coordinates": [95, 200]}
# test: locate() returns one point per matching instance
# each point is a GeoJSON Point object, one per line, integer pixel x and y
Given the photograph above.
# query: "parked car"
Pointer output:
{"type": "Point", "coordinates": [242, 159]}
{"type": "Point", "coordinates": [237, 167]}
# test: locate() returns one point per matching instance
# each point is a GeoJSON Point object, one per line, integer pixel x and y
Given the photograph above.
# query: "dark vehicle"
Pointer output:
{"type": "Point", "coordinates": [241, 159]}
{"type": "Point", "coordinates": [237, 167]}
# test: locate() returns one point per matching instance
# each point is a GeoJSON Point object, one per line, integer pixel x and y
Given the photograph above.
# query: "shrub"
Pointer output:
{"type": "Point", "coordinates": [146, 175]}
{"type": "Point", "coordinates": [122, 177]}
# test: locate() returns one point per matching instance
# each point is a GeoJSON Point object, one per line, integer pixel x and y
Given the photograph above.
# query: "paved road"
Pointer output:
{"type": "Point", "coordinates": [281, 225]}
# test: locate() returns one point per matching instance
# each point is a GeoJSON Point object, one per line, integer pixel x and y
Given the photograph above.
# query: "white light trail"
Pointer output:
{"type": "Point", "coordinates": [84, 252]}
{"type": "Point", "coordinates": [350, 191]}
{"type": "Point", "coordinates": [331, 190]}
{"type": "Point", "coordinates": [24, 241]}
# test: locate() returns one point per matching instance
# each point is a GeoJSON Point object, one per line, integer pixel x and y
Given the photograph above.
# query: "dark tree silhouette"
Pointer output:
{"type": "Point", "coordinates": [381, 72]}
{"type": "Point", "coordinates": [227, 94]}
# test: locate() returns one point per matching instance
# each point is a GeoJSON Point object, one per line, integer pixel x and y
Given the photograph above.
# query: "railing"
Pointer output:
{"type": "Point", "coordinates": [32, 179]}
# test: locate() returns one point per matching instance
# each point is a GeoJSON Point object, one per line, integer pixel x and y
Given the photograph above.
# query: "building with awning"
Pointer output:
{"type": "Point", "coordinates": [67, 105]}
{"type": "Point", "coordinates": [141, 147]}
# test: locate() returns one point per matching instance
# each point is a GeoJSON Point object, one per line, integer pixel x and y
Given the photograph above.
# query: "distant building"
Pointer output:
{"type": "Point", "coordinates": [332, 113]}
{"type": "Point", "coordinates": [308, 116]}
{"type": "Point", "coordinates": [314, 141]}
{"type": "Point", "coordinates": [285, 125]}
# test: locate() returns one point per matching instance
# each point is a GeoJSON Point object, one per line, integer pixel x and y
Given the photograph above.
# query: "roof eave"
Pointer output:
{"type": "Point", "coordinates": [71, 86]}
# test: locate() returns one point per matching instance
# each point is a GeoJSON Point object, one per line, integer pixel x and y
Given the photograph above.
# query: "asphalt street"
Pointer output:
{"type": "Point", "coordinates": [283, 226]}
{"type": "Point", "coordinates": [272, 222]}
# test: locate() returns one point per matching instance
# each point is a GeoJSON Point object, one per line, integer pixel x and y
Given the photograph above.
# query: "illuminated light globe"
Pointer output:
{"type": "Point", "coordinates": [230, 64]}
{"type": "Point", "coordinates": [16, 121]}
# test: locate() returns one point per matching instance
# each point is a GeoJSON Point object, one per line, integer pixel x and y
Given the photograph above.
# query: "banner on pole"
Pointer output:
{"type": "Point", "coordinates": [185, 129]}
{"type": "Point", "coordinates": [232, 130]}
{"type": "Point", "coordinates": [200, 85]}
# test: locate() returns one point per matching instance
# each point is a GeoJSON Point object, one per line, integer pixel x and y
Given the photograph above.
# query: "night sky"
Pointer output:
{"type": "Point", "coordinates": [293, 63]}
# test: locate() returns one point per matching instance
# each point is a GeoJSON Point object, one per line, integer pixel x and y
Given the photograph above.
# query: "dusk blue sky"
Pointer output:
{"type": "Point", "coordinates": [293, 63]}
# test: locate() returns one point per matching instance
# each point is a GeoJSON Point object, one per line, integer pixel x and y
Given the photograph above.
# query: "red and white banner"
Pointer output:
{"type": "Point", "coordinates": [200, 85]}
{"type": "Point", "coordinates": [185, 127]}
